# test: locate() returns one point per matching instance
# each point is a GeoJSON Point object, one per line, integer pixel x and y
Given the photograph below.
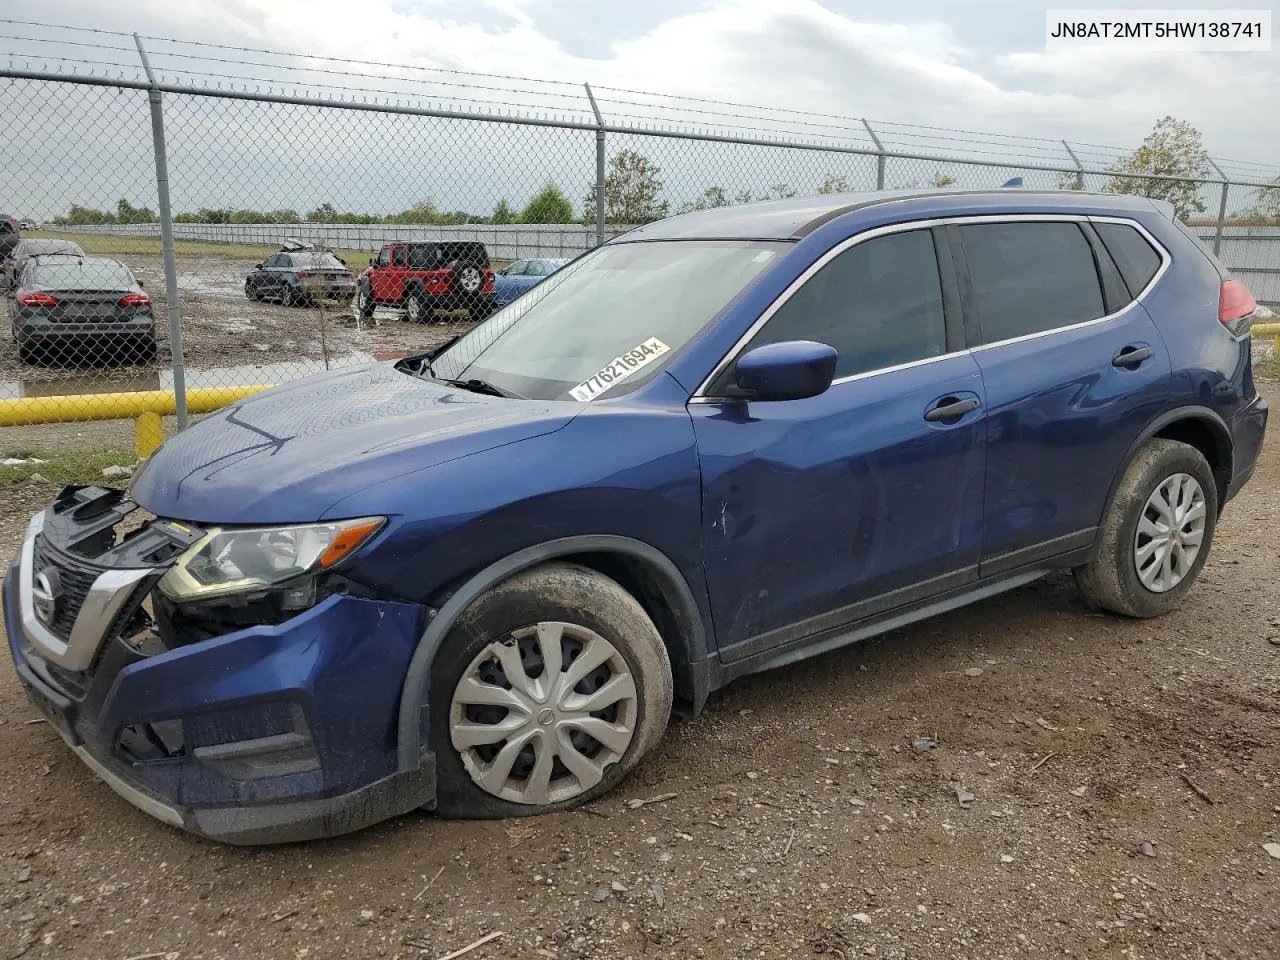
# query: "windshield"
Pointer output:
{"type": "Point", "coordinates": [615, 316]}
{"type": "Point", "coordinates": [83, 275]}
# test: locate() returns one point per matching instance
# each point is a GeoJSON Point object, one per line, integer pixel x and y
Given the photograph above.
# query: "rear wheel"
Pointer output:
{"type": "Point", "coordinates": [548, 690]}
{"type": "Point", "coordinates": [1156, 535]}
{"type": "Point", "coordinates": [294, 297]}
{"type": "Point", "coordinates": [415, 307]}
{"type": "Point", "coordinates": [28, 353]}
{"type": "Point", "coordinates": [251, 291]}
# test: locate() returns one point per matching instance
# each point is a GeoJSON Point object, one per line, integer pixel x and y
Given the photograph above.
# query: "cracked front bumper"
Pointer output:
{"type": "Point", "coordinates": [264, 735]}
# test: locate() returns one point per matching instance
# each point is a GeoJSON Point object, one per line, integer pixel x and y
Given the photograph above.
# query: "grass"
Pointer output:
{"type": "Point", "coordinates": [1268, 367]}
{"type": "Point", "coordinates": [65, 466]}
{"type": "Point", "coordinates": [103, 245]}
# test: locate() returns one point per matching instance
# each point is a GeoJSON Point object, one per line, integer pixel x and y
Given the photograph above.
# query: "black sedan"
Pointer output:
{"type": "Point", "coordinates": [81, 310]}
{"type": "Point", "coordinates": [298, 278]}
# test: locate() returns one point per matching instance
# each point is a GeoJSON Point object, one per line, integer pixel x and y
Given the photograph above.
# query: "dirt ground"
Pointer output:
{"type": "Point", "coordinates": [1119, 779]}
{"type": "Point", "coordinates": [230, 340]}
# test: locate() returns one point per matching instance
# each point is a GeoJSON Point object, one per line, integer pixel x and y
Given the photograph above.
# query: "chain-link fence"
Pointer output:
{"type": "Point", "coordinates": [175, 241]}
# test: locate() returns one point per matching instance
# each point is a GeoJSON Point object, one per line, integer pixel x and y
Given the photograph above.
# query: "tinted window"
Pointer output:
{"type": "Point", "coordinates": [81, 275]}
{"type": "Point", "coordinates": [1135, 257]}
{"type": "Point", "coordinates": [423, 257]}
{"type": "Point", "coordinates": [879, 304]}
{"type": "Point", "coordinates": [399, 256]}
{"type": "Point", "coordinates": [469, 251]}
{"type": "Point", "coordinates": [384, 257]}
{"type": "Point", "coordinates": [1030, 277]}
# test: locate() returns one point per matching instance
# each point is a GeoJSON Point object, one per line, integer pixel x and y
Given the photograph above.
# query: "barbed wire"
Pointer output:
{"type": "Point", "coordinates": [673, 109]}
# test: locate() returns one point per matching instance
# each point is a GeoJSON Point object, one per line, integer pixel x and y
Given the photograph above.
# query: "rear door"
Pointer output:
{"type": "Point", "coordinates": [1073, 369]}
{"type": "Point", "coordinates": [823, 511]}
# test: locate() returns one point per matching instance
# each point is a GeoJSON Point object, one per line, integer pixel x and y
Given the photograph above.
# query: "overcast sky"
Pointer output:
{"type": "Point", "coordinates": [972, 64]}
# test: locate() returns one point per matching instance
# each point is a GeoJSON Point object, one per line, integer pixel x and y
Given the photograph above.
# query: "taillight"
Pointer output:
{"type": "Point", "coordinates": [37, 300]}
{"type": "Point", "coordinates": [1236, 307]}
{"type": "Point", "coordinates": [304, 275]}
{"type": "Point", "coordinates": [135, 300]}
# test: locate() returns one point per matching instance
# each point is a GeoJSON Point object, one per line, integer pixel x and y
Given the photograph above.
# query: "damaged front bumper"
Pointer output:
{"type": "Point", "coordinates": [267, 734]}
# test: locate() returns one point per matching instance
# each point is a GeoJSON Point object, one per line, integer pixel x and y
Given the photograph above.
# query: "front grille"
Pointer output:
{"type": "Point", "coordinates": [75, 577]}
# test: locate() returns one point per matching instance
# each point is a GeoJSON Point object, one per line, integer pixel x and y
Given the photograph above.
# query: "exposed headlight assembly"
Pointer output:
{"type": "Point", "coordinates": [244, 560]}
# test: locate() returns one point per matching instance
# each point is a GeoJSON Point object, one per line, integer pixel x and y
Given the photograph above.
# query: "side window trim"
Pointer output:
{"type": "Point", "coordinates": [952, 312]}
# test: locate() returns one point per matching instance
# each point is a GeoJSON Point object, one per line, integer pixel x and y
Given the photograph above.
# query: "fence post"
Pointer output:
{"type": "Point", "coordinates": [166, 240]}
{"type": "Point", "coordinates": [1079, 166]}
{"type": "Point", "coordinates": [1222, 207]}
{"type": "Point", "coordinates": [599, 166]}
{"type": "Point", "coordinates": [879, 156]}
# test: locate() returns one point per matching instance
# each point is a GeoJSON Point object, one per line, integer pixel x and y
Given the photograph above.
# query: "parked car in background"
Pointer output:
{"type": "Point", "coordinates": [28, 225]}
{"type": "Point", "coordinates": [10, 234]}
{"type": "Point", "coordinates": [480, 579]}
{"type": "Point", "coordinates": [521, 275]}
{"type": "Point", "coordinates": [300, 275]}
{"type": "Point", "coordinates": [81, 310]}
{"type": "Point", "coordinates": [29, 249]}
{"type": "Point", "coordinates": [421, 278]}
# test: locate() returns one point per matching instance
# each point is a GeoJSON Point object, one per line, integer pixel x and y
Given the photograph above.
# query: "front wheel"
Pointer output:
{"type": "Point", "coordinates": [547, 691]}
{"type": "Point", "coordinates": [1156, 535]}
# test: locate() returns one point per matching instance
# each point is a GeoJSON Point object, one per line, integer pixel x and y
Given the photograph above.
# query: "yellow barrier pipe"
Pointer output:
{"type": "Point", "coordinates": [145, 407]}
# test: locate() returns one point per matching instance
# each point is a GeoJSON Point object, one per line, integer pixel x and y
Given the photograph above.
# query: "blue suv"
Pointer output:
{"type": "Point", "coordinates": [480, 580]}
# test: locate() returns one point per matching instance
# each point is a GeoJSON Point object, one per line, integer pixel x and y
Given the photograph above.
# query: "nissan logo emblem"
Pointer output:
{"type": "Point", "coordinates": [44, 594]}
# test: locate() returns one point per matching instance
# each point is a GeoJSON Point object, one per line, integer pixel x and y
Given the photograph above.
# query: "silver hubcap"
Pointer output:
{"type": "Point", "coordinates": [414, 309]}
{"type": "Point", "coordinates": [1170, 533]}
{"type": "Point", "coordinates": [540, 715]}
{"type": "Point", "coordinates": [470, 280]}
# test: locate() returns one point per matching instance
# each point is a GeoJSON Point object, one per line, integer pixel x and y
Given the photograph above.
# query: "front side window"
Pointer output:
{"type": "Point", "coordinates": [879, 304]}
{"type": "Point", "coordinates": [384, 257]}
{"type": "Point", "coordinates": [1030, 277]}
{"type": "Point", "coordinates": [609, 322]}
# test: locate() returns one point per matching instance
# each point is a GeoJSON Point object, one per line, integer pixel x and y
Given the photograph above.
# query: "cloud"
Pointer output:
{"type": "Point", "coordinates": [799, 57]}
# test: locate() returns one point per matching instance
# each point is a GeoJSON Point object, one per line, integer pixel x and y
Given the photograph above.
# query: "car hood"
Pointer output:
{"type": "Point", "coordinates": [286, 455]}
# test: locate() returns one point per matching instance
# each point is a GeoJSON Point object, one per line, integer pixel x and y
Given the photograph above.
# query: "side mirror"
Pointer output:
{"type": "Point", "coordinates": [790, 370]}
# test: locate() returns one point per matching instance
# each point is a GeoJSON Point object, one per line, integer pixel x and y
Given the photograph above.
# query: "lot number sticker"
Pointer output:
{"type": "Point", "coordinates": [618, 369]}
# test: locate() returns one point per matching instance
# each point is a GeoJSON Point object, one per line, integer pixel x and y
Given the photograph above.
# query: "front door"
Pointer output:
{"type": "Point", "coordinates": [819, 512]}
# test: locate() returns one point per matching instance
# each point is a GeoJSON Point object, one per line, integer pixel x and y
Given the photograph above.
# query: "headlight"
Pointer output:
{"type": "Point", "coordinates": [236, 561]}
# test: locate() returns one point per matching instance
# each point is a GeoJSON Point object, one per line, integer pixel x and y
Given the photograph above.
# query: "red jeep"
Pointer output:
{"type": "Point", "coordinates": [421, 278]}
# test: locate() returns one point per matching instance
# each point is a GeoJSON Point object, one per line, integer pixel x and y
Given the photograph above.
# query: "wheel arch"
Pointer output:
{"type": "Point", "coordinates": [638, 567]}
{"type": "Point", "coordinates": [1196, 426]}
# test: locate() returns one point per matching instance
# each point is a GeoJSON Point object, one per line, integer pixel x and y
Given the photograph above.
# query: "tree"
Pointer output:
{"type": "Point", "coordinates": [631, 190]}
{"type": "Point", "coordinates": [1267, 200]}
{"type": "Point", "coordinates": [1068, 180]}
{"type": "Point", "coordinates": [832, 183]}
{"type": "Point", "coordinates": [779, 191]}
{"type": "Point", "coordinates": [549, 206]}
{"type": "Point", "coordinates": [941, 179]}
{"type": "Point", "coordinates": [503, 213]}
{"type": "Point", "coordinates": [325, 213]}
{"type": "Point", "coordinates": [128, 213]}
{"type": "Point", "coordinates": [424, 211]}
{"type": "Point", "coordinates": [1173, 148]}
{"type": "Point", "coordinates": [711, 197]}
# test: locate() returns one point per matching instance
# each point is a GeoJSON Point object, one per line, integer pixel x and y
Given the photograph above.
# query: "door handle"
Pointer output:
{"type": "Point", "coordinates": [1130, 357]}
{"type": "Point", "coordinates": [949, 409]}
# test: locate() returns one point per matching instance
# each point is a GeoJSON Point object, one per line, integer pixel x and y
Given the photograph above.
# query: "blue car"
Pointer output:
{"type": "Point", "coordinates": [481, 579]}
{"type": "Point", "coordinates": [522, 275]}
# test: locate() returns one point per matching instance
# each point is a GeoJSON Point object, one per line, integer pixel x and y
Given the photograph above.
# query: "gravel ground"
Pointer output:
{"type": "Point", "coordinates": [1055, 816]}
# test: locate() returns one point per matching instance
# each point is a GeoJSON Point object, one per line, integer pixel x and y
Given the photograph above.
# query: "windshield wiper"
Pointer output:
{"type": "Point", "coordinates": [476, 385]}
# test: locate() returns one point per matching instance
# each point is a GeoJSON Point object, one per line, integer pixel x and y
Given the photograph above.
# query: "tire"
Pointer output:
{"type": "Point", "coordinates": [416, 308]}
{"type": "Point", "coordinates": [1112, 579]}
{"type": "Point", "coordinates": [251, 292]}
{"type": "Point", "coordinates": [576, 612]}
{"type": "Point", "coordinates": [482, 308]}
{"type": "Point", "coordinates": [144, 352]}
{"type": "Point", "coordinates": [468, 280]}
{"type": "Point", "coordinates": [294, 297]}
{"type": "Point", "coordinates": [364, 300]}
{"type": "Point", "coordinates": [29, 354]}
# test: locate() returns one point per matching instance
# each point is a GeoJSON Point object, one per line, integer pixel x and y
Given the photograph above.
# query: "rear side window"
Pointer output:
{"type": "Point", "coordinates": [1136, 259]}
{"type": "Point", "coordinates": [423, 257]}
{"type": "Point", "coordinates": [1027, 278]}
{"type": "Point", "coordinates": [399, 257]}
{"type": "Point", "coordinates": [879, 304]}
